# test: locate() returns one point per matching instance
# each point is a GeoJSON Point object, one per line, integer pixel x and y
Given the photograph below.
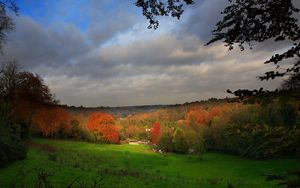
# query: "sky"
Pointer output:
{"type": "Point", "coordinates": [100, 53]}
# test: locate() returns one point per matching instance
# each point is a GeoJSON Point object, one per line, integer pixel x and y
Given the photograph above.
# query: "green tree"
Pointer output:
{"type": "Point", "coordinates": [180, 142]}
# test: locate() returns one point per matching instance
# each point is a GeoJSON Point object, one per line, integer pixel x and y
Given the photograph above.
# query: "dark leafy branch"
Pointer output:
{"type": "Point", "coordinates": [293, 52]}
{"type": "Point", "coordinates": [153, 8]}
{"type": "Point", "coordinates": [248, 21]}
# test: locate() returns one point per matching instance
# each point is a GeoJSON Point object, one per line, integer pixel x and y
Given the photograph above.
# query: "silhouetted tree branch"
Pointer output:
{"type": "Point", "coordinates": [245, 22]}
{"type": "Point", "coordinates": [248, 21]}
{"type": "Point", "coordinates": [153, 8]}
{"type": "Point", "coordinates": [6, 22]}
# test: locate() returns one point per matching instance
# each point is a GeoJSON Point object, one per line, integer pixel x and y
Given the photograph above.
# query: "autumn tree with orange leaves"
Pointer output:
{"type": "Point", "coordinates": [200, 116]}
{"type": "Point", "coordinates": [52, 121]}
{"type": "Point", "coordinates": [103, 126]}
{"type": "Point", "coordinates": [197, 117]}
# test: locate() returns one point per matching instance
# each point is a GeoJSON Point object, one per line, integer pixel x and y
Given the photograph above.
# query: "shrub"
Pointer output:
{"type": "Point", "coordinates": [165, 142]}
{"type": "Point", "coordinates": [214, 138]}
{"type": "Point", "coordinates": [257, 141]}
{"type": "Point", "coordinates": [11, 145]}
{"type": "Point", "coordinates": [288, 114]}
{"type": "Point", "coordinates": [79, 133]}
{"type": "Point", "coordinates": [283, 114]}
{"type": "Point", "coordinates": [102, 125]}
{"type": "Point", "coordinates": [181, 144]}
{"type": "Point", "coordinates": [198, 144]}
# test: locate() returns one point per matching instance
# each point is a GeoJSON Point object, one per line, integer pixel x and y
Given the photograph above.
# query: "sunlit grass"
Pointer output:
{"type": "Point", "coordinates": [137, 166]}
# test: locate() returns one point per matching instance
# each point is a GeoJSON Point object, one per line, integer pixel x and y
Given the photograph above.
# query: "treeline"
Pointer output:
{"type": "Point", "coordinates": [249, 130]}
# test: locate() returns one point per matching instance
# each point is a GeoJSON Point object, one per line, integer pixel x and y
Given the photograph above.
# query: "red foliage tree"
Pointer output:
{"type": "Point", "coordinates": [103, 124]}
{"type": "Point", "coordinates": [155, 132]}
{"type": "Point", "coordinates": [50, 121]}
{"type": "Point", "coordinates": [198, 116]}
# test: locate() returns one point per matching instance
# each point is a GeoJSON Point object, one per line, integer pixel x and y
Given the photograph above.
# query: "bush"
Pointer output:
{"type": "Point", "coordinates": [214, 138]}
{"type": "Point", "coordinates": [257, 131]}
{"type": "Point", "coordinates": [247, 114]}
{"type": "Point", "coordinates": [284, 114]}
{"type": "Point", "coordinates": [77, 132]}
{"type": "Point", "coordinates": [181, 144]}
{"type": "Point", "coordinates": [260, 142]}
{"type": "Point", "coordinates": [11, 145]}
{"type": "Point", "coordinates": [288, 114]}
{"type": "Point", "coordinates": [198, 145]}
{"type": "Point", "coordinates": [165, 142]}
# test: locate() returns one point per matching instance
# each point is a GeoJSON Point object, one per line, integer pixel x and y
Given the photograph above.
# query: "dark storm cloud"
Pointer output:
{"type": "Point", "coordinates": [203, 17]}
{"type": "Point", "coordinates": [33, 45]}
{"type": "Point", "coordinates": [163, 50]}
{"type": "Point", "coordinates": [106, 21]}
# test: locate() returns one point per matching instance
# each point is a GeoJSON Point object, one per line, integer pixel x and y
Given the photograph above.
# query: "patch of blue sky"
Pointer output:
{"type": "Point", "coordinates": [48, 12]}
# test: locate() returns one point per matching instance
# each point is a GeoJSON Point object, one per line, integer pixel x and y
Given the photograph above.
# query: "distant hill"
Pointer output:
{"type": "Point", "coordinates": [126, 110]}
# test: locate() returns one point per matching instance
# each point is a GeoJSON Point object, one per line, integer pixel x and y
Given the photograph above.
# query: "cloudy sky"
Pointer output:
{"type": "Point", "coordinates": [100, 53]}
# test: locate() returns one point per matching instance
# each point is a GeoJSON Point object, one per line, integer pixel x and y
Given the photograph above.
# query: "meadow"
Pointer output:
{"type": "Point", "coordinates": [66, 163]}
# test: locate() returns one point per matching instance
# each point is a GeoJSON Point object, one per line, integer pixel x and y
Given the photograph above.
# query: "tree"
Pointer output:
{"type": "Point", "coordinates": [103, 125]}
{"type": "Point", "coordinates": [180, 142]}
{"type": "Point", "coordinates": [165, 140]}
{"type": "Point", "coordinates": [196, 117]}
{"type": "Point", "coordinates": [23, 85]}
{"type": "Point", "coordinates": [155, 133]}
{"type": "Point", "coordinates": [8, 80]}
{"type": "Point", "coordinates": [52, 122]}
{"type": "Point", "coordinates": [25, 93]}
{"type": "Point", "coordinates": [6, 22]}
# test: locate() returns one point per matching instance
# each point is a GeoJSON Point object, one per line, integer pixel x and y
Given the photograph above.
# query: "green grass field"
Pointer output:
{"type": "Point", "coordinates": [76, 164]}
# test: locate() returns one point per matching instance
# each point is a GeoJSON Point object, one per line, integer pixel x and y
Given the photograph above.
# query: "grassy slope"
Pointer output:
{"type": "Point", "coordinates": [137, 166]}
